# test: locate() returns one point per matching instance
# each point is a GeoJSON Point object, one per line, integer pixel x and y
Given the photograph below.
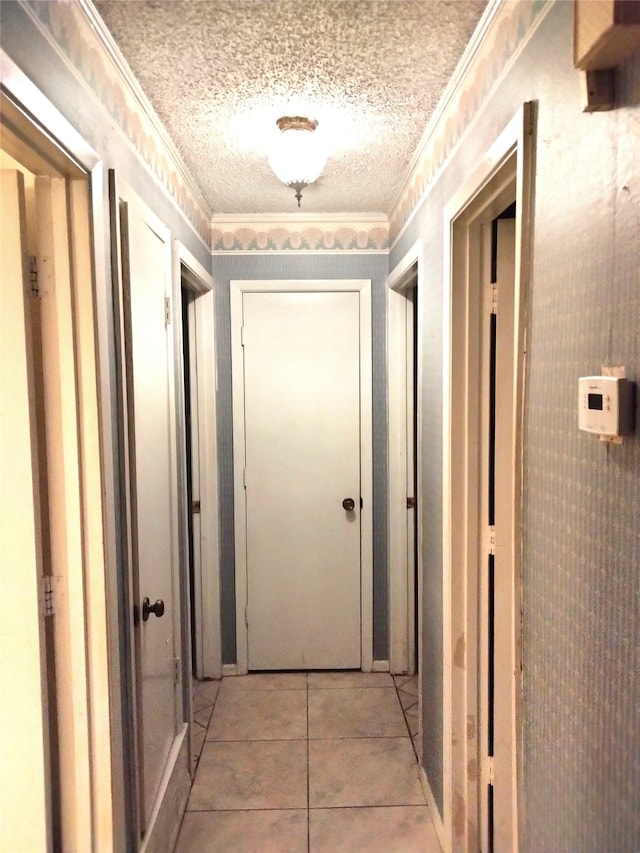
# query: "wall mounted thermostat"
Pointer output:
{"type": "Point", "coordinates": [605, 405]}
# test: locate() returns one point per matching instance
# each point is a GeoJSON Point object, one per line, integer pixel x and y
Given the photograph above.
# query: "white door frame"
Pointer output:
{"type": "Point", "coordinates": [506, 171]}
{"type": "Point", "coordinates": [90, 735]}
{"type": "Point", "coordinates": [237, 289]}
{"type": "Point", "coordinates": [400, 344]}
{"type": "Point", "coordinates": [208, 651]}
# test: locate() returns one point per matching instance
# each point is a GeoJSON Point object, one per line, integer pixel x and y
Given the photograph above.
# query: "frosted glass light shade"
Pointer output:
{"type": "Point", "coordinates": [297, 155]}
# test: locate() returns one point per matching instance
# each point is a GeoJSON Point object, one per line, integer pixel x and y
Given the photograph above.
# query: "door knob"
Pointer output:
{"type": "Point", "coordinates": [147, 608]}
{"type": "Point", "coordinates": [349, 504]}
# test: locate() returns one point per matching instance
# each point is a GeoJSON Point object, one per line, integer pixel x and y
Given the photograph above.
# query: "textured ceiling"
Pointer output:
{"type": "Point", "coordinates": [220, 73]}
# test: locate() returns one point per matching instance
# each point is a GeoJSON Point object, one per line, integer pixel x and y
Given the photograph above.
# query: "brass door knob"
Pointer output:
{"type": "Point", "coordinates": [349, 504]}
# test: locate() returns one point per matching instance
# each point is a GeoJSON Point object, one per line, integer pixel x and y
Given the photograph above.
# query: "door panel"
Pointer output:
{"type": "Point", "coordinates": [302, 444]}
{"type": "Point", "coordinates": [146, 287]}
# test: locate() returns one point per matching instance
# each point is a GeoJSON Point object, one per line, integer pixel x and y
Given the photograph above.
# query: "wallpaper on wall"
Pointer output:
{"type": "Point", "coordinates": [581, 763]}
{"type": "Point", "coordinates": [580, 758]}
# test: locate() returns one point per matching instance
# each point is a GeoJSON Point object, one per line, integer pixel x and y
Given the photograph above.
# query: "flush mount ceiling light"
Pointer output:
{"type": "Point", "coordinates": [297, 157]}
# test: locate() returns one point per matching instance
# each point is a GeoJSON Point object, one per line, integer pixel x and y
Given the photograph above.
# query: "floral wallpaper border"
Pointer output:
{"type": "Point", "coordinates": [67, 27]}
{"type": "Point", "coordinates": [511, 28]}
{"type": "Point", "coordinates": [299, 236]}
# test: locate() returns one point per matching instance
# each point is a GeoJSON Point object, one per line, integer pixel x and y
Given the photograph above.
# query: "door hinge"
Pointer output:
{"type": "Point", "coordinates": [489, 770]}
{"type": "Point", "coordinates": [242, 336]}
{"type": "Point", "coordinates": [195, 507]}
{"type": "Point", "coordinates": [411, 503]}
{"type": "Point", "coordinates": [167, 310]}
{"type": "Point", "coordinates": [244, 477]}
{"type": "Point", "coordinates": [33, 275]}
{"type": "Point", "coordinates": [47, 595]}
{"type": "Point", "coordinates": [494, 298]}
{"type": "Point", "coordinates": [246, 616]}
{"type": "Point", "coordinates": [492, 539]}
{"type": "Point", "coordinates": [176, 671]}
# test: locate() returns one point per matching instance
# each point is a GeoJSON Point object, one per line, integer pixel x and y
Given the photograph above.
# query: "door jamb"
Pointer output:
{"type": "Point", "coordinates": [94, 638]}
{"type": "Point", "coordinates": [510, 159]}
{"type": "Point", "coordinates": [402, 653]}
{"type": "Point", "coordinates": [363, 286]}
{"type": "Point", "coordinates": [207, 593]}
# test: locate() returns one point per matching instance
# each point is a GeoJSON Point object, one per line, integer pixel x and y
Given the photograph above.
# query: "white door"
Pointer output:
{"type": "Point", "coordinates": [149, 366]}
{"type": "Point", "coordinates": [302, 461]}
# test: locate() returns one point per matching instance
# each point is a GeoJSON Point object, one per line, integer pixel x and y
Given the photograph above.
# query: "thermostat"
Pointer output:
{"type": "Point", "coordinates": [605, 405]}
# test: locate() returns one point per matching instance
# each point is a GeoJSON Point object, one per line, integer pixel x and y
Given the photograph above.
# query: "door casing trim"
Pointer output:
{"type": "Point", "coordinates": [207, 580]}
{"type": "Point", "coordinates": [509, 161]}
{"type": "Point", "coordinates": [402, 654]}
{"type": "Point", "coordinates": [363, 287]}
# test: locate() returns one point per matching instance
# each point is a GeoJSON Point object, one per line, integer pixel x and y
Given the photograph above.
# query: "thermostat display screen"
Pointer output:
{"type": "Point", "coordinates": [594, 401]}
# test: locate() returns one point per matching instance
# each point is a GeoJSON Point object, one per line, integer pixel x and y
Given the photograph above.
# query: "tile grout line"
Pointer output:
{"type": "Point", "coordinates": [406, 721]}
{"type": "Point", "coordinates": [308, 777]}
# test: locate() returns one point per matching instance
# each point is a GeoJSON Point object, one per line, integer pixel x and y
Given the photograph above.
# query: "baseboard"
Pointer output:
{"type": "Point", "coordinates": [166, 817]}
{"type": "Point", "coordinates": [380, 666]}
{"type": "Point", "coordinates": [229, 669]}
{"type": "Point", "coordinates": [433, 808]}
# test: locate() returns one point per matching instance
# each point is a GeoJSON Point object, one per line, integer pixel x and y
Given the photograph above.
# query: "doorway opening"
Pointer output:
{"type": "Point", "coordinates": [487, 224]}
{"type": "Point", "coordinates": [52, 495]}
{"type": "Point", "coordinates": [404, 366]}
{"type": "Point", "coordinates": [198, 468]}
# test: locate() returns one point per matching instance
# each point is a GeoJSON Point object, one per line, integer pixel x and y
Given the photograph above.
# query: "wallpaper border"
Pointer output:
{"type": "Point", "coordinates": [273, 234]}
{"type": "Point", "coordinates": [513, 25]}
{"type": "Point", "coordinates": [76, 32]}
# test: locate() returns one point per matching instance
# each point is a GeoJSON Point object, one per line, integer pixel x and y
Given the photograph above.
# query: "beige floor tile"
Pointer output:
{"type": "Point", "coordinates": [354, 712]}
{"type": "Point", "coordinates": [363, 772]}
{"type": "Point", "coordinates": [252, 775]}
{"type": "Point", "coordinates": [349, 679]}
{"type": "Point", "coordinates": [244, 832]}
{"type": "Point", "coordinates": [266, 681]}
{"type": "Point", "coordinates": [205, 693]}
{"type": "Point", "coordinates": [396, 829]}
{"type": "Point", "coordinates": [259, 715]}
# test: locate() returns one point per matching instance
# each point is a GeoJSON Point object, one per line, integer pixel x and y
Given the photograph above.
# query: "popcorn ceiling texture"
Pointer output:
{"type": "Point", "coordinates": [219, 74]}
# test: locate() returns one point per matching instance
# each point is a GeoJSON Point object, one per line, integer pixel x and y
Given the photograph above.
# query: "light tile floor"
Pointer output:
{"type": "Point", "coordinates": [307, 763]}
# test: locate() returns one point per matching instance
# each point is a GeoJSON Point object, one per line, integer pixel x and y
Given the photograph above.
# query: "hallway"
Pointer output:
{"type": "Point", "coordinates": [319, 762]}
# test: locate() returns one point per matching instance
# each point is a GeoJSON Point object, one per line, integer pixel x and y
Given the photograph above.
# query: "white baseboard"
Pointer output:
{"type": "Point", "coordinates": [229, 669]}
{"type": "Point", "coordinates": [380, 666]}
{"type": "Point", "coordinates": [433, 808]}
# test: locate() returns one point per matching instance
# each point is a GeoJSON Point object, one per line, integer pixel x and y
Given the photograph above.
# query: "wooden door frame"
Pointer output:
{"type": "Point", "coordinates": [90, 729]}
{"type": "Point", "coordinates": [506, 168]}
{"type": "Point", "coordinates": [208, 636]}
{"type": "Point", "coordinates": [363, 287]}
{"type": "Point", "coordinates": [402, 591]}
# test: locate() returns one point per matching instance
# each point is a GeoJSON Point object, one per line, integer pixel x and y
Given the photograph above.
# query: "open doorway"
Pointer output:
{"type": "Point", "coordinates": [52, 487]}
{"type": "Point", "coordinates": [487, 224]}
{"type": "Point", "coordinates": [403, 365]}
{"type": "Point", "coordinates": [193, 291]}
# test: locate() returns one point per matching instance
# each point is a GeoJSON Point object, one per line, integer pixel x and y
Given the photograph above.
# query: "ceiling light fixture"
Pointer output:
{"type": "Point", "coordinates": [297, 157]}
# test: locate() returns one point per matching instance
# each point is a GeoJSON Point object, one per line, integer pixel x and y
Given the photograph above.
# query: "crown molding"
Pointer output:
{"type": "Point", "coordinates": [144, 104]}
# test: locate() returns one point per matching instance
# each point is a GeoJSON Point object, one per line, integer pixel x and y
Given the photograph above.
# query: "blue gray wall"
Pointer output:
{"type": "Point", "coordinates": [302, 266]}
{"type": "Point", "coordinates": [580, 758]}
